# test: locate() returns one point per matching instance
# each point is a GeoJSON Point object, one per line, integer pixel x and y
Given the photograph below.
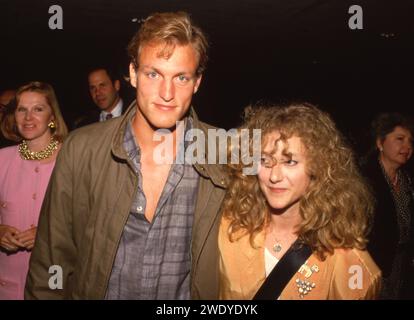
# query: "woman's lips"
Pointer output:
{"type": "Point", "coordinates": [277, 190]}
{"type": "Point", "coordinates": [28, 126]}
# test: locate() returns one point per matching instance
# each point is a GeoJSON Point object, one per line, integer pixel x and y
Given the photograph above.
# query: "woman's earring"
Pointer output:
{"type": "Point", "coordinates": [381, 149]}
{"type": "Point", "coordinates": [52, 125]}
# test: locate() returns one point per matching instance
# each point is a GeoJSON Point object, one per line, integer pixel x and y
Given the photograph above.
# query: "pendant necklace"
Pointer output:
{"type": "Point", "coordinates": [277, 247]}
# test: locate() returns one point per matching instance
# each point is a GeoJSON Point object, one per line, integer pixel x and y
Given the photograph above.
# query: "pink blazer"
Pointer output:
{"type": "Point", "coordinates": [23, 185]}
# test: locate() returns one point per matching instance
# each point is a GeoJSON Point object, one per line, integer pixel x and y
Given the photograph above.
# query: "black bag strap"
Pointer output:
{"type": "Point", "coordinates": [284, 270]}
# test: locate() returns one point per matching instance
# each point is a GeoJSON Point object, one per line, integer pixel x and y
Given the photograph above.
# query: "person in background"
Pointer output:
{"type": "Point", "coordinates": [6, 96]}
{"type": "Point", "coordinates": [35, 121]}
{"type": "Point", "coordinates": [391, 239]}
{"type": "Point", "coordinates": [297, 229]}
{"type": "Point", "coordinates": [104, 86]}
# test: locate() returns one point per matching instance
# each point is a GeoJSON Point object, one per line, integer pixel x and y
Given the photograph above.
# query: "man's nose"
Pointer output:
{"type": "Point", "coordinates": [167, 90]}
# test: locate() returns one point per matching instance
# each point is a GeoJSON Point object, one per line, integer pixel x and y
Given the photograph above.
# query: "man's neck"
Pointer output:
{"type": "Point", "coordinates": [110, 109]}
{"type": "Point", "coordinates": [145, 135]}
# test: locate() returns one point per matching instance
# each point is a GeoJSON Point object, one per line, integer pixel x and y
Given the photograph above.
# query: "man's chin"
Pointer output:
{"type": "Point", "coordinates": [164, 124]}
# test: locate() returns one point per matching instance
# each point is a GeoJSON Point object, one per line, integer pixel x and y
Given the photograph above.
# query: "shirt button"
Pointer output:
{"type": "Point", "coordinates": [3, 205]}
{"type": "Point", "coordinates": [139, 209]}
{"type": "Point", "coordinates": [34, 196]}
{"type": "Point", "coordinates": [37, 169]}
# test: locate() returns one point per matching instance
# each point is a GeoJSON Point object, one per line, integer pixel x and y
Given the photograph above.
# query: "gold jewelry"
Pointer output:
{"type": "Point", "coordinates": [52, 125]}
{"type": "Point", "coordinates": [27, 154]}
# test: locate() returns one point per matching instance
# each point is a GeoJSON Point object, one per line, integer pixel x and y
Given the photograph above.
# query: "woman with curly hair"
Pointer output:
{"type": "Point", "coordinates": [297, 229]}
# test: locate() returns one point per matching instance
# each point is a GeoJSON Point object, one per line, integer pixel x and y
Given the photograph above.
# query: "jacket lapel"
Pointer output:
{"type": "Point", "coordinates": [209, 199]}
{"type": "Point", "coordinates": [253, 262]}
{"type": "Point", "coordinates": [211, 192]}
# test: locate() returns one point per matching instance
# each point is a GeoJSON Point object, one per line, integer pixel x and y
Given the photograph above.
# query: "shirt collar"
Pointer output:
{"type": "Point", "coordinates": [132, 148]}
{"type": "Point", "coordinates": [116, 112]}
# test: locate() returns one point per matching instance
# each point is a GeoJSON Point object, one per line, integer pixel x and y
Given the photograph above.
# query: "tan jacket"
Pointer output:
{"type": "Point", "coordinates": [345, 275]}
{"type": "Point", "coordinates": [86, 208]}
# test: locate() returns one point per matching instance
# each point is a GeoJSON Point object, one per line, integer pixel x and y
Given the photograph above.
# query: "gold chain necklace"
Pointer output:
{"type": "Point", "coordinates": [27, 154]}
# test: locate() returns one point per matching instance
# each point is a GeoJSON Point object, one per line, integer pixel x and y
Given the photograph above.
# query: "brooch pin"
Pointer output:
{"type": "Point", "coordinates": [304, 286]}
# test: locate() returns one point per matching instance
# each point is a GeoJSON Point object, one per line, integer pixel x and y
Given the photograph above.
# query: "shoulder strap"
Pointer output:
{"type": "Point", "coordinates": [283, 271]}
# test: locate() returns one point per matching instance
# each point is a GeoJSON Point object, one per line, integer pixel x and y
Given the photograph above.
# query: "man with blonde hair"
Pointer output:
{"type": "Point", "coordinates": [116, 223]}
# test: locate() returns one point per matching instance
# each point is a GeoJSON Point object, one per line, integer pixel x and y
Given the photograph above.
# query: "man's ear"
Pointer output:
{"type": "Point", "coordinates": [132, 75]}
{"type": "Point", "coordinates": [117, 85]}
{"type": "Point", "coordinates": [197, 83]}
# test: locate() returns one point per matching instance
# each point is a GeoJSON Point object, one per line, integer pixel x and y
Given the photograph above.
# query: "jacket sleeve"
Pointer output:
{"type": "Point", "coordinates": [355, 277]}
{"type": "Point", "coordinates": [54, 255]}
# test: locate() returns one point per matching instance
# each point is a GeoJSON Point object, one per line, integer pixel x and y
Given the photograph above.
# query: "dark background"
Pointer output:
{"type": "Point", "coordinates": [261, 50]}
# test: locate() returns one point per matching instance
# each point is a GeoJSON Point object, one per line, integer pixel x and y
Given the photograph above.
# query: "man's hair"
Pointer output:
{"type": "Point", "coordinates": [113, 74]}
{"type": "Point", "coordinates": [337, 206]}
{"type": "Point", "coordinates": [171, 28]}
{"type": "Point", "coordinates": [8, 123]}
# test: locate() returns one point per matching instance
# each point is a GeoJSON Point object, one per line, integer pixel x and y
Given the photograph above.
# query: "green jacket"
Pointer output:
{"type": "Point", "coordinates": [86, 207]}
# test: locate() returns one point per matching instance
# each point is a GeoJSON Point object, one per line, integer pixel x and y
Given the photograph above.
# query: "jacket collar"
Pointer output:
{"type": "Point", "coordinates": [215, 172]}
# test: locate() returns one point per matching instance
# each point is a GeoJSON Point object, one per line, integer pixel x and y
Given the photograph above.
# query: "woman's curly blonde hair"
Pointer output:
{"type": "Point", "coordinates": [337, 207]}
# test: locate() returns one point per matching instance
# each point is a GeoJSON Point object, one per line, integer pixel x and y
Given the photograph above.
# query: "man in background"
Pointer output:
{"type": "Point", "coordinates": [104, 86]}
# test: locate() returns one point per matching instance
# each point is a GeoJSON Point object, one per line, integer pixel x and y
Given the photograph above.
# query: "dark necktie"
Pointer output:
{"type": "Point", "coordinates": [108, 116]}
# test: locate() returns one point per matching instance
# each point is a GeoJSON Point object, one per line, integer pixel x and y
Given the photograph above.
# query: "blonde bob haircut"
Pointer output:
{"type": "Point", "coordinates": [8, 124]}
{"type": "Point", "coordinates": [336, 209]}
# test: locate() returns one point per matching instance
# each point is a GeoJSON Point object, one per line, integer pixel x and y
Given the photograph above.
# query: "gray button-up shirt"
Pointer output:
{"type": "Point", "coordinates": [153, 259]}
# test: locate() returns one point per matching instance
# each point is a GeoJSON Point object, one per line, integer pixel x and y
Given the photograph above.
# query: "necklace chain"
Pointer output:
{"type": "Point", "coordinates": [277, 246]}
{"type": "Point", "coordinates": [27, 154]}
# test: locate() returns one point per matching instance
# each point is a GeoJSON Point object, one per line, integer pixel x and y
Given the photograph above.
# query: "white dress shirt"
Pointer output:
{"type": "Point", "coordinates": [116, 112]}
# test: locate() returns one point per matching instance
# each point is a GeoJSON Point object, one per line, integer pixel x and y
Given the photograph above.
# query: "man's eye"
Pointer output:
{"type": "Point", "coordinates": [152, 75]}
{"type": "Point", "coordinates": [182, 78]}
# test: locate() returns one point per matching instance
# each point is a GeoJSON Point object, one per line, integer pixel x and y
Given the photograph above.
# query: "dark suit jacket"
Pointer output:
{"type": "Point", "coordinates": [91, 116]}
{"type": "Point", "coordinates": [384, 236]}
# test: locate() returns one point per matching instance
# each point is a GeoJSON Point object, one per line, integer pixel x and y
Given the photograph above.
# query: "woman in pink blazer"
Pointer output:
{"type": "Point", "coordinates": [36, 122]}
